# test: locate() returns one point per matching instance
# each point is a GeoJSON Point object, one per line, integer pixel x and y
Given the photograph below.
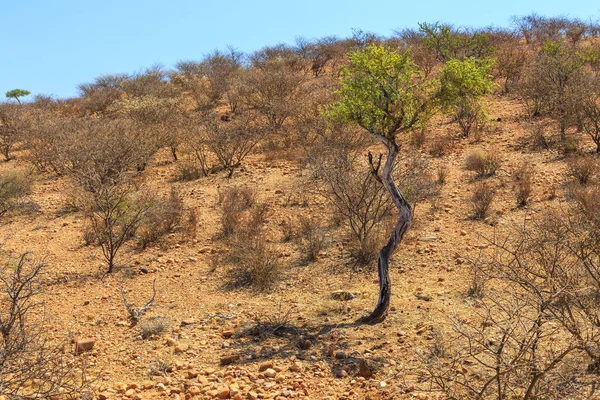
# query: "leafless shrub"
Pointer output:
{"type": "Point", "coordinates": [115, 213]}
{"type": "Point", "coordinates": [252, 263]}
{"type": "Point", "coordinates": [153, 326]}
{"type": "Point", "coordinates": [230, 141]}
{"type": "Point", "coordinates": [234, 201]}
{"type": "Point", "coordinates": [417, 138]}
{"type": "Point", "coordinates": [481, 162]}
{"type": "Point", "coordinates": [11, 116]}
{"type": "Point", "coordinates": [478, 282]}
{"type": "Point", "coordinates": [14, 185]}
{"type": "Point", "coordinates": [524, 181]}
{"type": "Point", "coordinates": [442, 174]}
{"type": "Point", "coordinates": [415, 178]}
{"type": "Point", "coordinates": [440, 145]}
{"type": "Point", "coordinates": [265, 326]}
{"type": "Point", "coordinates": [162, 215]}
{"type": "Point", "coordinates": [538, 139]}
{"type": "Point", "coordinates": [189, 171]}
{"type": "Point", "coordinates": [481, 200]}
{"type": "Point", "coordinates": [583, 168]}
{"type": "Point", "coordinates": [32, 366]}
{"type": "Point", "coordinates": [310, 238]}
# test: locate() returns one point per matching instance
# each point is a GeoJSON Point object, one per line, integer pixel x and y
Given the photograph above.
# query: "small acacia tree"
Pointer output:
{"type": "Point", "coordinates": [16, 93]}
{"type": "Point", "coordinates": [384, 93]}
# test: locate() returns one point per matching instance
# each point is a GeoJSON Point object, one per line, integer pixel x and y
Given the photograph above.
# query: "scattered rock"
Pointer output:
{"type": "Point", "coordinates": [223, 392]}
{"type": "Point", "coordinates": [305, 344]}
{"type": "Point", "coordinates": [382, 385]}
{"type": "Point", "coordinates": [227, 334]}
{"type": "Point", "coordinates": [266, 365]}
{"type": "Point", "coordinates": [171, 342]}
{"type": "Point", "coordinates": [144, 270]}
{"type": "Point", "coordinates": [83, 345]}
{"type": "Point", "coordinates": [341, 373]}
{"type": "Point", "coordinates": [340, 355]}
{"type": "Point", "coordinates": [229, 359]}
{"type": "Point", "coordinates": [187, 322]}
{"type": "Point", "coordinates": [103, 396]}
{"type": "Point", "coordinates": [365, 369]}
{"type": "Point", "coordinates": [270, 373]}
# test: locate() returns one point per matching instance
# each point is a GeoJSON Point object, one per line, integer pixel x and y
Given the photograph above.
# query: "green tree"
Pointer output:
{"type": "Point", "coordinates": [464, 83]}
{"type": "Point", "coordinates": [384, 92]}
{"type": "Point", "coordinates": [16, 93]}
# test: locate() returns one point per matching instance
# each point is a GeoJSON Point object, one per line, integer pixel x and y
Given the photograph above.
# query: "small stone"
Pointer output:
{"type": "Point", "coordinates": [187, 322]}
{"type": "Point", "coordinates": [144, 270]}
{"type": "Point", "coordinates": [341, 373]}
{"type": "Point", "coordinates": [365, 369]}
{"type": "Point", "coordinates": [193, 390]}
{"type": "Point", "coordinates": [171, 342]}
{"type": "Point", "coordinates": [148, 384]}
{"type": "Point", "coordinates": [463, 233]}
{"type": "Point", "coordinates": [266, 365]}
{"type": "Point", "coordinates": [83, 345]}
{"type": "Point", "coordinates": [192, 373]}
{"type": "Point", "coordinates": [340, 355]}
{"type": "Point", "coordinates": [305, 344]}
{"type": "Point", "coordinates": [230, 359]}
{"type": "Point", "coordinates": [181, 348]}
{"type": "Point", "coordinates": [130, 392]}
{"type": "Point", "coordinates": [103, 396]}
{"type": "Point", "coordinates": [270, 373]}
{"type": "Point", "coordinates": [223, 392]}
{"type": "Point", "coordinates": [382, 385]}
{"type": "Point", "coordinates": [252, 395]}
{"type": "Point", "coordinates": [296, 367]}
{"type": "Point", "coordinates": [227, 334]}
{"type": "Point", "coordinates": [161, 387]}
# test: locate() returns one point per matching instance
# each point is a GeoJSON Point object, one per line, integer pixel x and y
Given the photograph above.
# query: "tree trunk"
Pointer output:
{"type": "Point", "coordinates": [381, 309]}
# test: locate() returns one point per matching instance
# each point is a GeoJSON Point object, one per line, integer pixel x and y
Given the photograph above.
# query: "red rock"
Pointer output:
{"type": "Point", "coordinates": [83, 345]}
{"type": "Point", "coordinates": [230, 359]}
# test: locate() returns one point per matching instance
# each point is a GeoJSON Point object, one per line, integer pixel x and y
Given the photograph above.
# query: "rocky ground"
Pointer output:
{"type": "Point", "coordinates": [299, 340]}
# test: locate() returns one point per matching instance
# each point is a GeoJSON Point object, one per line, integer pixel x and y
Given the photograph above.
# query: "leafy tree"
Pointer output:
{"type": "Point", "coordinates": [383, 92]}
{"type": "Point", "coordinates": [463, 85]}
{"type": "Point", "coordinates": [16, 93]}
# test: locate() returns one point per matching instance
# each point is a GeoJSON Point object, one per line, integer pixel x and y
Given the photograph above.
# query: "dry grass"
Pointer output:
{"type": "Point", "coordinates": [481, 162]}
{"type": "Point", "coordinates": [481, 200]}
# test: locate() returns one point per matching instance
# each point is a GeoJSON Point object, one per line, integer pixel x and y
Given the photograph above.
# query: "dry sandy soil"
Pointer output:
{"type": "Point", "coordinates": [317, 354]}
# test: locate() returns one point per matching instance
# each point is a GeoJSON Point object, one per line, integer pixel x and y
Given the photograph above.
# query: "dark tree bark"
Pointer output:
{"type": "Point", "coordinates": [405, 217]}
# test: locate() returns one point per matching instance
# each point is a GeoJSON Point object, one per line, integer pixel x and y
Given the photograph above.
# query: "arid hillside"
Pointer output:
{"type": "Point", "coordinates": [213, 232]}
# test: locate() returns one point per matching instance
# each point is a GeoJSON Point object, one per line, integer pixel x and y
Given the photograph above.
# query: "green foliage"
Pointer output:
{"type": "Point", "coordinates": [465, 80]}
{"type": "Point", "coordinates": [16, 93]}
{"type": "Point", "coordinates": [383, 92]}
{"type": "Point", "coordinates": [449, 44]}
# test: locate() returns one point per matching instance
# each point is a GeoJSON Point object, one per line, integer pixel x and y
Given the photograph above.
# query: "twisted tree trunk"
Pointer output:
{"type": "Point", "coordinates": [381, 309]}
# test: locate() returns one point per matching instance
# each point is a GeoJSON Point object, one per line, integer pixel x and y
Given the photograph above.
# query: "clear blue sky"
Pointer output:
{"type": "Point", "coordinates": [51, 46]}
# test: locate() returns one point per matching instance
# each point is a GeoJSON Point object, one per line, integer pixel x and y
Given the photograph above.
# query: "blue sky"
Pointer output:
{"type": "Point", "coordinates": [51, 46]}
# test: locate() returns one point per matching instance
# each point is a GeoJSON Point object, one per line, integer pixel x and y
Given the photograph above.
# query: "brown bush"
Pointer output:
{"type": "Point", "coordinates": [162, 216]}
{"type": "Point", "coordinates": [253, 263]}
{"type": "Point", "coordinates": [440, 145]}
{"type": "Point", "coordinates": [481, 200]}
{"type": "Point", "coordinates": [241, 215]}
{"type": "Point", "coordinates": [481, 162]}
{"type": "Point", "coordinates": [583, 168]}
{"type": "Point", "coordinates": [310, 238]}
{"type": "Point", "coordinates": [14, 185]}
{"type": "Point", "coordinates": [524, 181]}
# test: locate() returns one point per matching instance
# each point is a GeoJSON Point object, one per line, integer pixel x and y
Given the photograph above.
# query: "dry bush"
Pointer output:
{"type": "Point", "coordinates": [415, 178]}
{"type": "Point", "coordinates": [537, 134]}
{"type": "Point", "coordinates": [229, 141]}
{"type": "Point", "coordinates": [440, 145]}
{"type": "Point", "coordinates": [11, 116]}
{"type": "Point", "coordinates": [32, 366]}
{"type": "Point", "coordinates": [310, 238]}
{"type": "Point", "coordinates": [153, 326]}
{"type": "Point", "coordinates": [115, 212]}
{"type": "Point", "coordinates": [441, 174]}
{"type": "Point", "coordinates": [234, 202]}
{"type": "Point", "coordinates": [359, 199]}
{"type": "Point", "coordinates": [583, 168]}
{"type": "Point", "coordinates": [417, 138]}
{"type": "Point", "coordinates": [524, 181]}
{"type": "Point", "coordinates": [14, 185]}
{"type": "Point", "coordinates": [481, 200]}
{"type": "Point", "coordinates": [252, 263]}
{"type": "Point", "coordinates": [189, 171]}
{"type": "Point", "coordinates": [161, 217]}
{"type": "Point", "coordinates": [481, 162]}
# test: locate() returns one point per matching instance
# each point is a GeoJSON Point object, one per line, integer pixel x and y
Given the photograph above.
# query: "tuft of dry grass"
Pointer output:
{"type": "Point", "coordinates": [481, 162]}
{"type": "Point", "coordinates": [481, 200]}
